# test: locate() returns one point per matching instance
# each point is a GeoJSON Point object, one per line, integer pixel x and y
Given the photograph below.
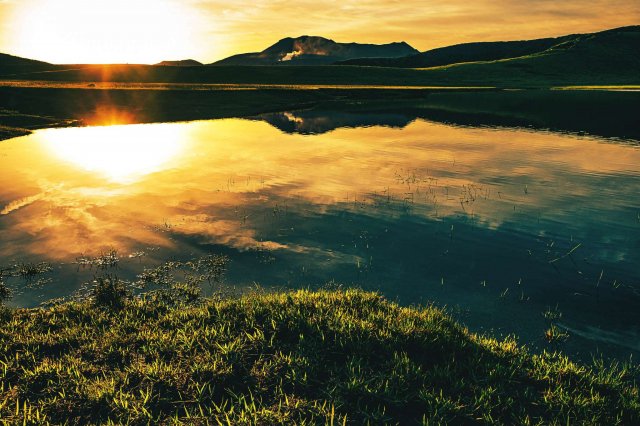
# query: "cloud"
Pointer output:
{"type": "Point", "coordinates": [18, 204]}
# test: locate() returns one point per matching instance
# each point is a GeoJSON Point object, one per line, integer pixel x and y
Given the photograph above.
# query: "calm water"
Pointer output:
{"type": "Point", "coordinates": [498, 225]}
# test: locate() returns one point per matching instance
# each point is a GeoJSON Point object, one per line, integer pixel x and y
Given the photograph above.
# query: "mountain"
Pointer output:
{"type": "Point", "coordinates": [183, 63]}
{"type": "Point", "coordinates": [314, 122]}
{"type": "Point", "coordinates": [10, 64]}
{"type": "Point", "coordinates": [493, 51]}
{"type": "Point", "coordinates": [310, 50]}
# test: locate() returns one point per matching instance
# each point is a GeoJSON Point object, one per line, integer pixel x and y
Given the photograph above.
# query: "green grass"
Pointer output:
{"type": "Point", "coordinates": [328, 357]}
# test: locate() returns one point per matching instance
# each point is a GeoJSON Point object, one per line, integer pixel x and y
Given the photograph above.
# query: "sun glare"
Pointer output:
{"type": "Point", "coordinates": [121, 154]}
{"type": "Point", "coordinates": [114, 31]}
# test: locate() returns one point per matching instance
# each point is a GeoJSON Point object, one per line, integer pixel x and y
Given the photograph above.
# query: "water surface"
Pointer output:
{"type": "Point", "coordinates": [499, 225]}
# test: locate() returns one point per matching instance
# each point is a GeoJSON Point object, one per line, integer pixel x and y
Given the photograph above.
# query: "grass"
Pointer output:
{"type": "Point", "coordinates": [327, 357]}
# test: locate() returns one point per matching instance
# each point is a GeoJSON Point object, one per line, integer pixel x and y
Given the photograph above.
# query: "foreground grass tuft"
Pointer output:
{"type": "Point", "coordinates": [329, 357]}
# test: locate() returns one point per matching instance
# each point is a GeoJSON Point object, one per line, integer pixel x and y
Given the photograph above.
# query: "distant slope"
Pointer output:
{"type": "Point", "coordinates": [309, 50]}
{"type": "Point", "coordinates": [10, 60]}
{"type": "Point", "coordinates": [467, 52]}
{"type": "Point", "coordinates": [486, 51]}
{"type": "Point", "coordinates": [611, 56]}
{"type": "Point", "coordinates": [15, 64]}
{"type": "Point", "coordinates": [182, 63]}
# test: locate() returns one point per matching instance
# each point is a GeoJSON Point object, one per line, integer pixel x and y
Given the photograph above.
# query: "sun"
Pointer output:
{"type": "Point", "coordinates": [101, 31]}
{"type": "Point", "coordinates": [120, 154]}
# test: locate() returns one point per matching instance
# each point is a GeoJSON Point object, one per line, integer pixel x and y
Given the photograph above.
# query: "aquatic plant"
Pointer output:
{"type": "Point", "coordinates": [5, 293]}
{"type": "Point", "coordinates": [109, 291]}
{"type": "Point", "coordinates": [105, 260]}
{"type": "Point", "coordinates": [29, 271]}
{"type": "Point", "coordinates": [208, 268]}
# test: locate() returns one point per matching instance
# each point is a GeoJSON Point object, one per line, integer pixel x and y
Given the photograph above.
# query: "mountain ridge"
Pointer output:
{"type": "Point", "coordinates": [180, 63]}
{"type": "Point", "coordinates": [485, 51]}
{"type": "Point", "coordinates": [315, 50]}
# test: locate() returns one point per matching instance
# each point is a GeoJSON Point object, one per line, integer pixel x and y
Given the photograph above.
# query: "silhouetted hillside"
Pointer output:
{"type": "Point", "coordinates": [14, 64]}
{"type": "Point", "coordinates": [585, 59]}
{"type": "Point", "coordinates": [492, 51]}
{"type": "Point", "coordinates": [183, 63]}
{"type": "Point", "coordinates": [307, 50]}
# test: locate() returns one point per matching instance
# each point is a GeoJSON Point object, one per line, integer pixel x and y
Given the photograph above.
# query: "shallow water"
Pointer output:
{"type": "Point", "coordinates": [499, 225]}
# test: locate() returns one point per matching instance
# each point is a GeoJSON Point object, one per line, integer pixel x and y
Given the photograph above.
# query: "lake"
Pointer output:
{"type": "Point", "coordinates": [510, 229]}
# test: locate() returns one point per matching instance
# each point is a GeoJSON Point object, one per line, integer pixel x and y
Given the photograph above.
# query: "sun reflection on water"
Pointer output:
{"type": "Point", "coordinates": [121, 154]}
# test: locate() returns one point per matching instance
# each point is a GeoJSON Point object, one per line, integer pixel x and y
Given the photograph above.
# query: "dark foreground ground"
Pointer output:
{"type": "Point", "coordinates": [329, 357]}
{"type": "Point", "coordinates": [596, 112]}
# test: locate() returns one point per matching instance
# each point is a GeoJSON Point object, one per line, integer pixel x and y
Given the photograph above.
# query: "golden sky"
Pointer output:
{"type": "Point", "coordinates": [148, 31]}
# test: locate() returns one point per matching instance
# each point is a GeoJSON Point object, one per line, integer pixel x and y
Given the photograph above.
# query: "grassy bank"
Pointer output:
{"type": "Point", "coordinates": [330, 357]}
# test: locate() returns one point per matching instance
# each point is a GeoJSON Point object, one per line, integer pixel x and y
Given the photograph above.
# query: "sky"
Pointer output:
{"type": "Point", "coordinates": [149, 31]}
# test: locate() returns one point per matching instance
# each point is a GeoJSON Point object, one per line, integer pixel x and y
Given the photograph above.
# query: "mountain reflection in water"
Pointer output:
{"type": "Point", "coordinates": [315, 122]}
